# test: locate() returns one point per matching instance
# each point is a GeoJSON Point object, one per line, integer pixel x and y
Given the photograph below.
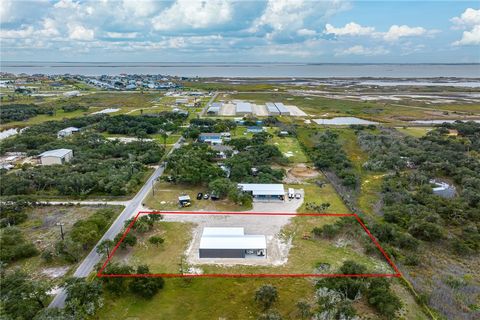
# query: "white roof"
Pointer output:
{"type": "Point", "coordinates": [243, 107]}
{"type": "Point", "coordinates": [222, 231]}
{"type": "Point", "coordinates": [234, 242]}
{"type": "Point", "coordinates": [70, 129]}
{"type": "Point", "coordinates": [59, 153]}
{"type": "Point", "coordinates": [263, 188]}
{"type": "Point", "coordinates": [271, 107]}
{"type": "Point", "coordinates": [281, 107]}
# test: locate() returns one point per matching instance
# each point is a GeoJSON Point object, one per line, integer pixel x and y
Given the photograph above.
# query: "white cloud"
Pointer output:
{"type": "Point", "coordinates": [66, 4]}
{"type": "Point", "coordinates": [186, 14]}
{"type": "Point", "coordinates": [6, 11]}
{"type": "Point", "coordinates": [469, 37]}
{"type": "Point", "coordinates": [470, 17]}
{"type": "Point", "coordinates": [49, 29]}
{"type": "Point", "coordinates": [284, 19]}
{"type": "Point", "coordinates": [140, 8]}
{"type": "Point", "coordinates": [350, 29]}
{"type": "Point", "coordinates": [23, 33]}
{"type": "Point", "coordinates": [362, 51]}
{"type": "Point", "coordinates": [79, 32]}
{"type": "Point", "coordinates": [396, 32]}
{"type": "Point", "coordinates": [306, 32]}
{"type": "Point", "coordinates": [122, 35]}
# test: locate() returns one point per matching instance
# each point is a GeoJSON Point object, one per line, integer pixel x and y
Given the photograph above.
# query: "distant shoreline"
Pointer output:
{"type": "Point", "coordinates": [251, 70]}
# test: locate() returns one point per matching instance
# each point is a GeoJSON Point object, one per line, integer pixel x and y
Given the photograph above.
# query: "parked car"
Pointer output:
{"type": "Point", "coordinates": [206, 196]}
{"type": "Point", "coordinates": [214, 197]}
{"type": "Point", "coordinates": [298, 196]}
{"type": "Point", "coordinates": [199, 196]}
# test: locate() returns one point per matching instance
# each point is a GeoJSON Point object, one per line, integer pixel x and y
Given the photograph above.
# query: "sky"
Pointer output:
{"type": "Point", "coordinates": [334, 31]}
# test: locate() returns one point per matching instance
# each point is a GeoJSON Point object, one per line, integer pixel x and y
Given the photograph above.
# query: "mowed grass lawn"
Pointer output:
{"type": "Point", "coordinates": [290, 148]}
{"type": "Point", "coordinates": [166, 198]}
{"type": "Point", "coordinates": [207, 299]}
{"type": "Point", "coordinates": [164, 258]}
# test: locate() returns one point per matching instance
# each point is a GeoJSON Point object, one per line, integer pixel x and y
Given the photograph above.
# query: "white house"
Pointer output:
{"type": "Point", "coordinates": [57, 156]}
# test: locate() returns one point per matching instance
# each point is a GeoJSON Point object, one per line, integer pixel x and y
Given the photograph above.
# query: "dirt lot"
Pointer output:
{"type": "Point", "coordinates": [270, 226]}
{"type": "Point", "coordinates": [296, 111]}
{"type": "Point", "coordinates": [259, 110]}
{"type": "Point", "coordinates": [300, 173]}
{"type": "Point", "coordinates": [228, 109]}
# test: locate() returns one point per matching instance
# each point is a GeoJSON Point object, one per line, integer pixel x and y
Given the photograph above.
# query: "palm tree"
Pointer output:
{"type": "Point", "coordinates": [266, 295]}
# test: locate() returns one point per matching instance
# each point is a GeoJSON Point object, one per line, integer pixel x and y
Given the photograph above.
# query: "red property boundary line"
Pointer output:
{"type": "Point", "coordinates": [397, 273]}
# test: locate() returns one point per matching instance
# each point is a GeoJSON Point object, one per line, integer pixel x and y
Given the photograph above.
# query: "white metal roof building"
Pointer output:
{"type": "Point", "coordinates": [57, 156]}
{"type": "Point", "coordinates": [243, 108]}
{"type": "Point", "coordinates": [272, 109]}
{"type": "Point", "coordinates": [231, 242]}
{"type": "Point", "coordinates": [264, 191]}
{"type": "Point", "coordinates": [67, 131]}
{"type": "Point", "coordinates": [282, 109]}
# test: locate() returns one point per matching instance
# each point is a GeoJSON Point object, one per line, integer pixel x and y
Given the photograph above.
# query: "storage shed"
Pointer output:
{"type": "Point", "coordinates": [231, 242]}
{"type": "Point", "coordinates": [57, 156]}
{"type": "Point", "coordinates": [67, 132]}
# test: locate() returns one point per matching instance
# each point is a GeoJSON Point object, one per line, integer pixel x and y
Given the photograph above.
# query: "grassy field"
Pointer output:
{"type": "Point", "coordinates": [166, 198]}
{"type": "Point", "coordinates": [325, 194]}
{"type": "Point", "coordinates": [164, 258]}
{"type": "Point", "coordinates": [59, 115]}
{"type": "Point", "coordinates": [41, 229]}
{"type": "Point", "coordinates": [416, 132]}
{"type": "Point", "coordinates": [290, 147]}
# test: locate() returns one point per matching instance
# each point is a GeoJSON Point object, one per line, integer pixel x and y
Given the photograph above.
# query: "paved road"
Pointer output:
{"type": "Point", "coordinates": [132, 207]}
{"type": "Point", "coordinates": [204, 110]}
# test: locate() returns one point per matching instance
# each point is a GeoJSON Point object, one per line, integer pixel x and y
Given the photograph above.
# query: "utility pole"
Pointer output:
{"type": "Point", "coordinates": [61, 229]}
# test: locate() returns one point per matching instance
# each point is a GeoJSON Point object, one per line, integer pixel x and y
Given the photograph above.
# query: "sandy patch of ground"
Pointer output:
{"type": "Point", "coordinates": [55, 272]}
{"type": "Point", "coordinates": [296, 111]}
{"type": "Point", "coordinates": [227, 109]}
{"type": "Point", "coordinates": [259, 110]}
{"type": "Point", "coordinates": [300, 173]}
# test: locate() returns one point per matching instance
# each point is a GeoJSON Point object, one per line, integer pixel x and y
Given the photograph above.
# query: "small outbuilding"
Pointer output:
{"type": "Point", "coordinates": [67, 132]}
{"type": "Point", "coordinates": [231, 242]}
{"type": "Point", "coordinates": [443, 189]}
{"type": "Point", "coordinates": [184, 201]}
{"type": "Point", "coordinates": [57, 156]}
